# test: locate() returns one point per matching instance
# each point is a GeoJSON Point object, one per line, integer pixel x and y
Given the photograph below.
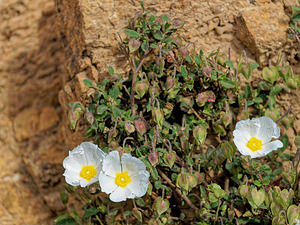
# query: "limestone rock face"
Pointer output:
{"type": "Point", "coordinates": [263, 29]}
{"type": "Point", "coordinates": [31, 150]}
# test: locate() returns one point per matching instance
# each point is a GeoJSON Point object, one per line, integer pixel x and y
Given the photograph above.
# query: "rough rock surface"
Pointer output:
{"type": "Point", "coordinates": [263, 32]}
{"type": "Point", "coordinates": [31, 150]}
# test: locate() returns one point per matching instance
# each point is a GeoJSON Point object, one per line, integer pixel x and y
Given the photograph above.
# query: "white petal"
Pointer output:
{"type": "Point", "coordinates": [267, 148]}
{"type": "Point", "coordinates": [246, 128]}
{"type": "Point", "coordinates": [121, 194]}
{"type": "Point", "coordinates": [107, 183]}
{"type": "Point", "coordinates": [112, 164]}
{"type": "Point", "coordinates": [139, 183]}
{"type": "Point", "coordinates": [93, 154]}
{"type": "Point", "coordinates": [72, 177]}
{"type": "Point", "coordinates": [73, 163]}
{"type": "Point", "coordinates": [132, 165]}
{"type": "Point", "coordinates": [268, 129]}
{"type": "Point", "coordinates": [84, 182]}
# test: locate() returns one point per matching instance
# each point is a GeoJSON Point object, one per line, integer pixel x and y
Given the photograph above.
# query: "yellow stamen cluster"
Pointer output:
{"type": "Point", "coordinates": [88, 172]}
{"type": "Point", "coordinates": [254, 144]}
{"type": "Point", "coordinates": [122, 179]}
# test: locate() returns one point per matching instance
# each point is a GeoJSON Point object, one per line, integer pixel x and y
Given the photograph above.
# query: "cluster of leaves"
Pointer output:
{"type": "Point", "coordinates": [163, 111]}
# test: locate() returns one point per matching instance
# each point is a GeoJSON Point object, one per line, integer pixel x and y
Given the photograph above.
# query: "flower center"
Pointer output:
{"type": "Point", "coordinates": [88, 172]}
{"type": "Point", "coordinates": [122, 179]}
{"type": "Point", "coordinates": [254, 144]}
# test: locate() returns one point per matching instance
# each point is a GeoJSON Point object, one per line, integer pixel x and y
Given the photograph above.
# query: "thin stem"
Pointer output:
{"type": "Point", "coordinates": [217, 213]}
{"type": "Point", "coordinates": [185, 198]}
{"type": "Point", "coordinates": [135, 71]}
{"type": "Point", "coordinates": [281, 118]}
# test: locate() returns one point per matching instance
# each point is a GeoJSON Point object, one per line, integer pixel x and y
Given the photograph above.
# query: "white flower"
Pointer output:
{"type": "Point", "coordinates": [125, 178]}
{"type": "Point", "coordinates": [83, 164]}
{"type": "Point", "coordinates": [254, 137]}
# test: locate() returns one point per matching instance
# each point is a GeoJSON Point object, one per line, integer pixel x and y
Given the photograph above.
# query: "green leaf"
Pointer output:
{"type": "Point", "coordinates": [184, 71]}
{"type": "Point", "coordinates": [247, 91]}
{"type": "Point", "coordinates": [114, 92]}
{"type": "Point", "coordinates": [230, 64]}
{"type": "Point", "coordinates": [65, 221]}
{"type": "Point", "coordinates": [154, 46]}
{"type": "Point", "coordinates": [152, 18]}
{"type": "Point", "coordinates": [158, 35]}
{"type": "Point", "coordinates": [254, 65]}
{"type": "Point", "coordinates": [111, 71]}
{"type": "Point", "coordinates": [64, 197]}
{"type": "Point", "coordinates": [90, 212]}
{"type": "Point", "coordinates": [88, 83]}
{"type": "Point", "coordinates": [144, 46]}
{"type": "Point", "coordinates": [227, 83]}
{"type": "Point", "coordinates": [101, 109]}
{"type": "Point", "coordinates": [164, 18]}
{"type": "Point", "coordinates": [142, 5]}
{"type": "Point", "coordinates": [131, 33]}
{"type": "Point", "coordinates": [197, 60]}
{"type": "Point", "coordinates": [276, 90]}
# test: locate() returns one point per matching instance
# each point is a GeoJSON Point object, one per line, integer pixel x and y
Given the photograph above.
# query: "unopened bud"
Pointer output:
{"type": "Point", "coordinates": [186, 103]}
{"type": "Point", "coordinates": [158, 116]}
{"type": "Point", "coordinates": [274, 114]}
{"type": "Point", "coordinates": [134, 45]}
{"type": "Point", "coordinates": [141, 88]}
{"type": "Point", "coordinates": [161, 205]}
{"type": "Point", "coordinates": [170, 82]}
{"type": "Point", "coordinates": [140, 126]}
{"type": "Point", "coordinates": [90, 117]}
{"type": "Point", "coordinates": [199, 133]}
{"type": "Point", "coordinates": [183, 51]}
{"type": "Point", "coordinates": [129, 127]}
{"type": "Point", "coordinates": [291, 83]}
{"type": "Point", "coordinates": [168, 109]}
{"type": "Point", "coordinates": [154, 90]}
{"type": "Point", "coordinates": [169, 158]}
{"type": "Point", "coordinates": [153, 158]}
{"type": "Point", "coordinates": [177, 23]}
{"type": "Point", "coordinates": [270, 74]}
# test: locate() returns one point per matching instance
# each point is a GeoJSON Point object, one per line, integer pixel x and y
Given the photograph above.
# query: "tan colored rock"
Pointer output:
{"type": "Point", "coordinates": [48, 118]}
{"type": "Point", "coordinates": [26, 124]}
{"type": "Point", "coordinates": [261, 31]}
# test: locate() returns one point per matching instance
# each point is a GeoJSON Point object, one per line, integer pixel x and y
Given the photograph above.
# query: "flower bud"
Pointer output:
{"type": "Point", "coordinates": [170, 82]}
{"type": "Point", "coordinates": [257, 197]}
{"type": "Point", "coordinates": [169, 158]}
{"type": "Point", "coordinates": [137, 214]}
{"type": "Point", "coordinates": [243, 190]}
{"type": "Point", "coordinates": [226, 118]}
{"type": "Point", "coordinates": [183, 51]}
{"type": "Point", "coordinates": [200, 177]}
{"type": "Point", "coordinates": [182, 181]}
{"type": "Point", "coordinates": [73, 118]}
{"type": "Point", "coordinates": [293, 213]}
{"type": "Point", "coordinates": [221, 61]}
{"type": "Point", "coordinates": [270, 74]}
{"type": "Point", "coordinates": [141, 88]}
{"type": "Point", "coordinates": [134, 45]}
{"type": "Point", "coordinates": [158, 117]}
{"type": "Point", "coordinates": [274, 114]}
{"type": "Point", "coordinates": [228, 149]}
{"type": "Point", "coordinates": [206, 96]}
{"type": "Point", "coordinates": [206, 71]}
{"type": "Point", "coordinates": [112, 134]}
{"type": "Point", "coordinates": [140, 126]}
{"type": "Point", "coordinates": [291, 83]}
{"type": "Point", "coordinates": [245, 69]}
{"type": "Point", "coordinates": [90, 117]}
{"type": "Point", "coordinates": [153, 158]}
{"type": "Point", "coordinates": [154, 90]}
{"type": "Point", "coordinates": [161, 205]}
{"type": "Point", "coordinates": [192, 181]}
{"type": "Point", "coordinates": [177, 23]}
{"type": "Point", "coordinates": [199, 133]}
{"type": "Point", "coordinates": [129, 127]}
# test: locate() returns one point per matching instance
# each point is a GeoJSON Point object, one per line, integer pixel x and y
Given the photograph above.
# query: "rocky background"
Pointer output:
{"type": "Point", "coordinates": [48, 48]}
